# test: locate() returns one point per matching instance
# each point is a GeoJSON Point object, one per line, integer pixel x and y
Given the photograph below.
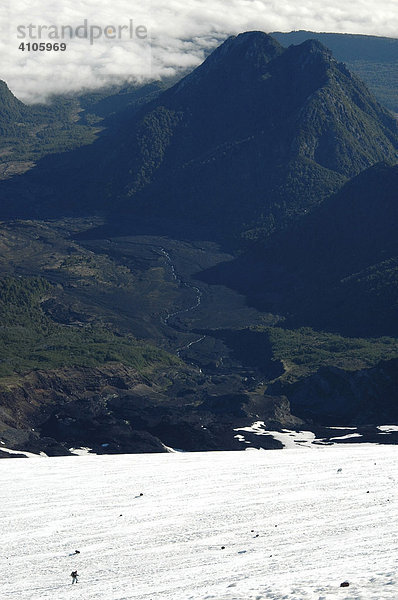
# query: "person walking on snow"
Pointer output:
{"type": "Point", "coordinates": [74, 577]}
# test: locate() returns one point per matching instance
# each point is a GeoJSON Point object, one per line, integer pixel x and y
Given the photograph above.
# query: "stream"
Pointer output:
{"type": "Point", "coordinates": [198, 300]}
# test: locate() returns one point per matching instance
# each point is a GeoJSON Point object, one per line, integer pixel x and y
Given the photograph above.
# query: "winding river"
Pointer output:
{"type": "Point", "coordinates": [198, 300]}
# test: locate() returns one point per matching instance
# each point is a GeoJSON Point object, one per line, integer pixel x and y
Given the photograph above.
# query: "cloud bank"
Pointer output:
{"type": "Point", "coordinates": [180, 32]}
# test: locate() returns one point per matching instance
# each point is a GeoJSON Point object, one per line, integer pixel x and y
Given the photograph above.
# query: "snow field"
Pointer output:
{"type": "Point", "coordinates": [316, 526]}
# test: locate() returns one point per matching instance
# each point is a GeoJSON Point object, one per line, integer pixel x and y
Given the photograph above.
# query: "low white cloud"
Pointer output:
{"type": "Point", "coordinates": [180, 33]}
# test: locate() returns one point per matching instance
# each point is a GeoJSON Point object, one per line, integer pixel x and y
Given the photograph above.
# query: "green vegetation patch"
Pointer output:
{"type": "Point", "coordinates": [28, 133]}
{"type": "Point", "coordinates": [29, 339]}
{"type": "Point", "coordinates": [304, 351]}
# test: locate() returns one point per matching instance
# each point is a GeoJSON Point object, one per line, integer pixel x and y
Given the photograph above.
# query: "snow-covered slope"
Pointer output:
{"type": "Point", "coordinates": [293, 524]}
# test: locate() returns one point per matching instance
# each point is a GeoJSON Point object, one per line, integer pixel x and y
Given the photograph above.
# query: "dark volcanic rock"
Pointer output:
{"type": "Point", "coordinates": [113, 410]}
{"type": "Point", "coordinates": [7, 455]}
{"type": "Point", "coordinates": [334, 396]}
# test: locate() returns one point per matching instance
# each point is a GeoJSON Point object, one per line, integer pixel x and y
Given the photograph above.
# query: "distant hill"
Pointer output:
{"type": "Point", "coordinates": [255, 136]}
{"type": "Point", "coordinates": [374, 59]}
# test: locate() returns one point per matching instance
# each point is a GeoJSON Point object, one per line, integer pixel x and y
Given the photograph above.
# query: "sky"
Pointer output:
{"type": "Point", "coordinates": [149, 39]}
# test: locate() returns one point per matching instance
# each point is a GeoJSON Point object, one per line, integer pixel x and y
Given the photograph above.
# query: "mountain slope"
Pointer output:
{"type": "Point", "coordinates": [31, 132]}
{"type": "Point", "coordinates": [250, 141]}
{"type": "Point", "coordinates": [335, 269]}
{"type": "Point", "coordinates": [12, 110]}
{"type": "Point", "coordinates": [374, 59]}
{"type": "Point", "coordinates": [333, 395]}
{"type": "Point", "coordinates": [346, 255]}
{"type": "Point", "coordinates": [254, 136]}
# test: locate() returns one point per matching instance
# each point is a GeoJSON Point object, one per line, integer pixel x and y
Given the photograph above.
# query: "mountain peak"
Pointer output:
{"type": "Point", "coordinates": [5, 91]}
{"type": "Point", "coordinates": [252, 47]}
{"type": "Point", "coordinates": [10, 107]}
{"type": "Point", "coordinates": [310, 52]}
{"type": "Point", "coordinates": [315, 46]}
{"type": "Point", "coordinates": [249, 141]}
{"type": "Point", "coordinates": [244, 55]}
{"type": "Point", "coordinates": [250, 41]}
{"type": "Point", "coordinates": [245, 58]}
